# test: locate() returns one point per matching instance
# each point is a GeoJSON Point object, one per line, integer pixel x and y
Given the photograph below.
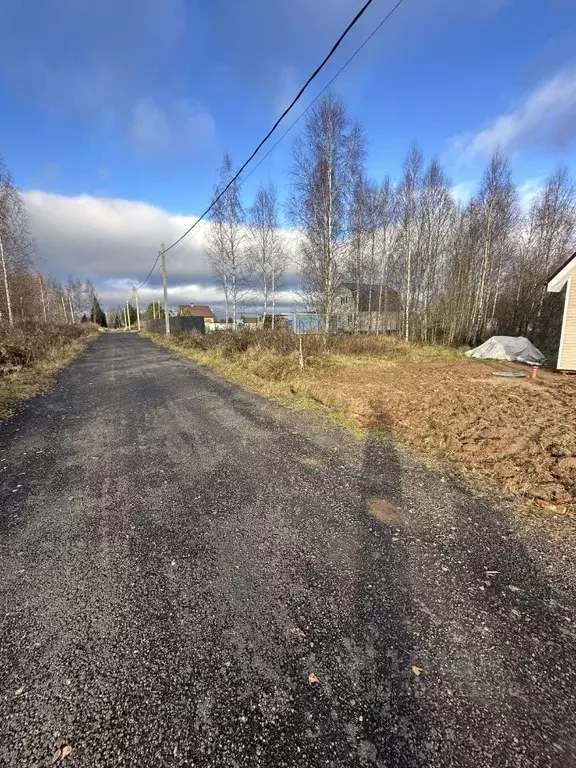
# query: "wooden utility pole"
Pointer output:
{"type": "Point", "coordinates": [71, 309]}
{"type": "Point", "coordinates": [165, 290]}
{"type": "Point", "coordinates": [6, 288]}
{"type": "Point", "coordinates": [128, 318]}
{"type": "Point", "coordinates": [64, 308]}
{"type": "Point", "coordinates": [135, 294]}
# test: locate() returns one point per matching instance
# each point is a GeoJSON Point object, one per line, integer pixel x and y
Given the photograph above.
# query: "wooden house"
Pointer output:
{"type": "Point", "coordinates": [565, 279]}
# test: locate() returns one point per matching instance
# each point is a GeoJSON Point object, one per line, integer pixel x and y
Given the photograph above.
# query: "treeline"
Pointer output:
{"type": "Point", "coordinates": [463, 272]}
{"type": "Point", "coordinates": [120, 317]}
{"type": "Point", "coordinates": [25, 294]}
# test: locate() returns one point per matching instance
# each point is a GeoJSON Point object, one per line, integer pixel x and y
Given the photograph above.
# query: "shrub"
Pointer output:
{"type": "Point", "coordinates": [30, 342]}
{"type": "Point", "coordinates": [231, 344]}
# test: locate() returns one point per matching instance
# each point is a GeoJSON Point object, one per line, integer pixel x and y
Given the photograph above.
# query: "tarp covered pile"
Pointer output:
{"type": "Point", "coordinates": [513, 348]}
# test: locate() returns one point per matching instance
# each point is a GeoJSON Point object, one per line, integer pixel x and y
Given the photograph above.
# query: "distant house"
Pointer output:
{"type": "Point", "coordinates": [280, 321]}
{"type": "Point", "coordinates": [565, 277]}
{"type": "Point", "coordinates": [199, 310]}
{"type": "Point", "coordinates": [251, 322]}
{"type": "Point", "coordinates": [371, 308]}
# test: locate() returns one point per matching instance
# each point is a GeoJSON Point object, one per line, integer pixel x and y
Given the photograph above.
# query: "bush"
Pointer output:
{"type": "Point", "coordinates": [30, 342]}
{"type": "Point", "coordinates": [231, 344]}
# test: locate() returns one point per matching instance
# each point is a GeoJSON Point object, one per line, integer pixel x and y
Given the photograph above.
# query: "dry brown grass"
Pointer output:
{"type": "Point", "coordinates": [519, 433]}
{"type": "Point", "coordinates": [31, 353]}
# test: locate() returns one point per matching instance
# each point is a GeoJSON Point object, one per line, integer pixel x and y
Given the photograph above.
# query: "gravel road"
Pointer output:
{"type": "Point", "coordinates": [193, 576]}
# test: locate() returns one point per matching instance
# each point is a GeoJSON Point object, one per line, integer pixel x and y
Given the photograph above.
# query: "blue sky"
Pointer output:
{"type": "Point", "coordinates": [115, 114]}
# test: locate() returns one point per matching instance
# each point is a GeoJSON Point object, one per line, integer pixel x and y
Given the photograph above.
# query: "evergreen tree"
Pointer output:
{"type": "Point", "coordinates": [153, 310]}
{"type": "Point", "coordinates": [97, 315]}
{"type": "Point", "coordinates": [132, 314]}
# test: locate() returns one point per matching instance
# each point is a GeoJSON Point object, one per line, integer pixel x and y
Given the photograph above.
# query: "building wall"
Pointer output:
{"type": "Point", "coordinates": [367, 321]}
{"type": "Point", "coordinates": [344, 313]}
{"type": "Point", "coordinates": [567, 353]}
{"type": "Point", "coordinates": [180, 323]}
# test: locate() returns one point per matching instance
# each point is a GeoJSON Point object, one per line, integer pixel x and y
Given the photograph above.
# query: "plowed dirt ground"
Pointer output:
{"type": "Point", "coordinates": [521, 432]}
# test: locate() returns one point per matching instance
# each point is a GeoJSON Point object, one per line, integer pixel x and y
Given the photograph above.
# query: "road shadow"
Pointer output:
{"type": "Point", "coordinates": [396, 727]}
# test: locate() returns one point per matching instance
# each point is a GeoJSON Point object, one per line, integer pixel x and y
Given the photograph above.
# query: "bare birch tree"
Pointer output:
{"type": "Point", "coordinates": [265, 249]}
{"type": "Point", "coordinates": [494, 215]}
{"type": "Point", "coordinates": [324, 161]}
{"type": "Point", "coordinates": [16, 244]}
{"type": "Point", "coordinates": [408, 201]}
{"type": "Point", "coordinates": [226, 238]}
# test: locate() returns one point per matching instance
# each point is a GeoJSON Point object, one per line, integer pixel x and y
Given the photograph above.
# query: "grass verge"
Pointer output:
{"type": "Point", "coordinates": [517, 434]}
{"type": "Point", "coordinates": [31, 354]}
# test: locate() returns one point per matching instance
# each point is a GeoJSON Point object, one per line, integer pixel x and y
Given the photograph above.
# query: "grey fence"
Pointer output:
{"type": "Point", "coordinates": [310, 322]}
{"type": "Point", "coordinates": [176, 324]}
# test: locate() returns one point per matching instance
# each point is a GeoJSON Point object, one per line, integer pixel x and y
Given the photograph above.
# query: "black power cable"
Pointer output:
{"type": "Point", "coordinates": [283, 115]}
{"type": "Point", "coordinates": [301, 115]}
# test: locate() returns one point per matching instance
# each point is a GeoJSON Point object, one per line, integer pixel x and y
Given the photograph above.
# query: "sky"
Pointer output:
{"type": "Point", "coordinates": [114, 115]}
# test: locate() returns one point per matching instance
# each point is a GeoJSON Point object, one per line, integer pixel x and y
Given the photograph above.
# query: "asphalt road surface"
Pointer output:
{"type": "Point", "coordinates": [192, 576]}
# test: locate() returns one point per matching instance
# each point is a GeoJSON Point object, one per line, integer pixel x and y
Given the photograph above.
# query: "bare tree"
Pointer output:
{"type": "Point", "coordinates": [359, 259]}
{"type": "Point", "coordinates": [384, 213]}
{"type": "Point", "coordinates": [494, 214]}
{"type": "Point", "coordinates": [437, 212]}
{"type": "Point", "coordinates": [226, 241]}
{"type": "Point", "coordinates": [323, 171]}
{"type": "Point", "coordinates": [408, 201]}
{"type": "Point", "coordinates": [15, 241]}
{"type": "Point", "coordinates": [266, 254]}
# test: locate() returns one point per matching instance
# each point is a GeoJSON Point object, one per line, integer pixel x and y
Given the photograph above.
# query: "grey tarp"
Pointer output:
{"type": "Point", "coordinates": [514, 348]}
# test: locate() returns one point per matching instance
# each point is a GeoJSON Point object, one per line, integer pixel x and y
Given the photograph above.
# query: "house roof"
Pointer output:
{"type": "Point", "coordinates": [392, 299]}
{"type": "Point", "coordinates": [251, 320]}
{"type": "Point", "coordinates": [558, 279]}
{"type": "Point", "coordinates": [196, 310]}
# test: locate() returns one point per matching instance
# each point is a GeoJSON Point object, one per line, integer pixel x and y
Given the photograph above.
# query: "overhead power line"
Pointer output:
{"type": "Point", "coordinates": [323, 91]}
{"type": "Point", "coordinates": [301, 115]}
{"type": "Point", "coordinates": [149, 275]}
{"type": "Point", "coordinates": [283, 115]}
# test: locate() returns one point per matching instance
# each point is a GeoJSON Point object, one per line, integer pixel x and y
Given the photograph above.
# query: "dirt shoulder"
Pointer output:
{"type": "Point", "coordinates": [31, 354]}
{"type": "Point", "coordinates": [518, 434]}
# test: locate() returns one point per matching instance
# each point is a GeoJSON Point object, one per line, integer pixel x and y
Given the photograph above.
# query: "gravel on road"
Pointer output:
{"type": "Point", "coordinates": [194, 576]}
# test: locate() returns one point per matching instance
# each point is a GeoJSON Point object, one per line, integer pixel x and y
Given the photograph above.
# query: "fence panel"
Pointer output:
{"type": "Point", "coordinates": [176, 324]}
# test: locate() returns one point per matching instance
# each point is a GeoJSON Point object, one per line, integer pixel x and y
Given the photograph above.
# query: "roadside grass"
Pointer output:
{"type": "Point", "coordinates": [519, 435]}
{"type": "Point", "coordinates": [30, 355]}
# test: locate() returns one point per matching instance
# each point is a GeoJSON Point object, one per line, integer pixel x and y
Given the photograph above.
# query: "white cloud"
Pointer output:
{"type": "Point", "coordinates": [463, 191]}
{"type": "Point", "coordinates": [115, 242]}
{"type": "Point", "coordinates": [546, 118]}
{"type": "Point", "coordinates": [182, 125]}
{"type": "Point", "coordinates": [528, 192]}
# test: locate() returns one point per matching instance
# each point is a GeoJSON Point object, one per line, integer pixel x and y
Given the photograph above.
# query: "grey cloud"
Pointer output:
{"type": "Point", "coordinates": [115, 242]}
{"type": "Point", "coordinates": [108, 238]}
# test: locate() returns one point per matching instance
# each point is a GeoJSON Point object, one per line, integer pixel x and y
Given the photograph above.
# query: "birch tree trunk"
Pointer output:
{"type": "Point", "coordinates": [6, 286]}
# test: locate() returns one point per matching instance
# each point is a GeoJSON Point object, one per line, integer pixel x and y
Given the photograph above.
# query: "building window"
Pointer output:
{"type": "Point", "coordinates": [343, 300]}
{"type": "Point", "coordinates": [350, 318]}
